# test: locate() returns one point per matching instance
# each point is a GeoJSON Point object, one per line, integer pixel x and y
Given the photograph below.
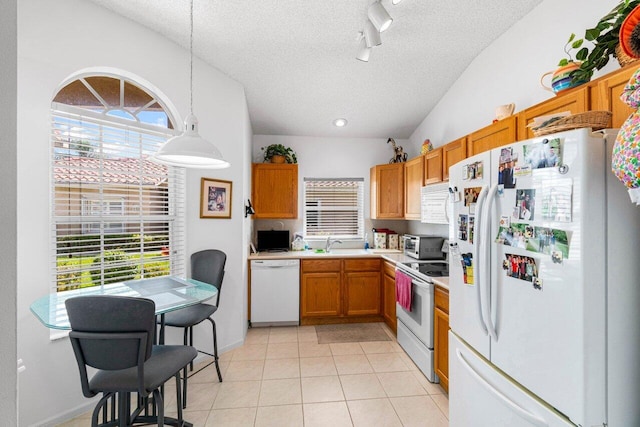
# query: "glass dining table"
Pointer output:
{"type": "Point", "coordinates": [168, 292]}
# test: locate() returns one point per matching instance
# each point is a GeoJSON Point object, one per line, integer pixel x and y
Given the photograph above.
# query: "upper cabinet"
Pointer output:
{"type": "Point", "coordinates": [495, 135]}
{"type": "Point", "coordinates": [387, 191]}
{"type": "Point", "coordinates": [274, 190]}
{"type": "Point", "coordinates": [608, 93]}
{"type": "Point", "coordinates": [433, 166]}
{"type": "Point", "coordinates": [413, 182]}
{"type": "Point", "coordinates": [575, 100]}
{"type": "Point", "coordinates": [452, 153]}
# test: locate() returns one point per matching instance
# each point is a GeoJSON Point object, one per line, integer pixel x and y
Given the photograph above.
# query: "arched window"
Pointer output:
{"type": "Point", "coordinates": [116, 215]}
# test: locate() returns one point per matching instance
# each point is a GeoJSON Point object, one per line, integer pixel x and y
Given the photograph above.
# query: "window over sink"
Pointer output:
{"type": "Point", "coordinates": [334, 207]}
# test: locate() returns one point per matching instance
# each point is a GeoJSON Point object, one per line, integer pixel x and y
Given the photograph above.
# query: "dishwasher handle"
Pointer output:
{"type": "Point", "coordinates": [275, 263]}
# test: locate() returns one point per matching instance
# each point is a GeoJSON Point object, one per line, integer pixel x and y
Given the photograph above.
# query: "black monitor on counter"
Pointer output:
{"type": "Point", "coordinates": [273, 240]}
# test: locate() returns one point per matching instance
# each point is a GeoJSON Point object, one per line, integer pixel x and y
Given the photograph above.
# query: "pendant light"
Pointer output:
{"type": "Point", "coordinates": [189, 149]}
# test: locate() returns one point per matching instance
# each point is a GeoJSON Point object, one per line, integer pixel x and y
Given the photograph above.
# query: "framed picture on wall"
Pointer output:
{"type": "Point", "coordinates": [215, 198]}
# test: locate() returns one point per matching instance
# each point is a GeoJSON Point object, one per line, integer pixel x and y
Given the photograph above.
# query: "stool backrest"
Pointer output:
{"type": "Point", "coordinates": [208, 266]}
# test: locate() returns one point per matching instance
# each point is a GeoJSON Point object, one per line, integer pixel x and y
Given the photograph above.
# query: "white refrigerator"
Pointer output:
{"type": "Point", "coordinates": [544, 287]}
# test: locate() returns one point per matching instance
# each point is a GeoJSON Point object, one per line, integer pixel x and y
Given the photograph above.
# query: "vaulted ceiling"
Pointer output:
{"type": "Point", "coordinates": [296, 59]}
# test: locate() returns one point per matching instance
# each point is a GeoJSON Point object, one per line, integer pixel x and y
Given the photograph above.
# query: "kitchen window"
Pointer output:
{"type": "Point", "coordinates": [115, 214]}
{"type": "Point", "coordinates": [334, 207]}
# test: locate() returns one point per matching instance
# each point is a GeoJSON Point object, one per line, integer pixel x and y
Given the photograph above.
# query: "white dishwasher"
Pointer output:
{"type": "Point", "coordinates": [275, 292]}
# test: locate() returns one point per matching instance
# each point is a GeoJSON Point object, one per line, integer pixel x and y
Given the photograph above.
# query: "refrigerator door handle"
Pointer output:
{"type": "Point", "coordinates": [523, 413]}
{"type": "Point", "coordinates": [476, 256]}
{"type": "Point", "coordinates": [486, 256]}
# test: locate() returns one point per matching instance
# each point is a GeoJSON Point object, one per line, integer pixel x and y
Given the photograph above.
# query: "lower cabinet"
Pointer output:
{"type": "Point", "coordinates": [441, 336]}
{"type": "Point", "coordinates": [389, 297]}
{"type": "Point", "coordinates": [340, 291]}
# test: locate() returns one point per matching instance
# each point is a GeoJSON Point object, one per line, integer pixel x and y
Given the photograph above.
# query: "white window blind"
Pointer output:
{"type": "Point", "coordinates": [116, 215]}
{"type": "Point", "coordinates": [334, 207]}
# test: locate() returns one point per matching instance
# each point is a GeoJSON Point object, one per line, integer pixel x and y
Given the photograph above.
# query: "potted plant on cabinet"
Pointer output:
{"type": "Point", "coordinates": [278, 153]}
{"type": "Point", "coordinates": [605, 37]}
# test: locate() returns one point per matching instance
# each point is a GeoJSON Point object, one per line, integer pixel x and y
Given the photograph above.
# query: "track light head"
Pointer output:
{"type": "Point", "coordinates": [363, 52]}
{"type": "Point", "coordinates": [379, 16]}
{"type": "Point", "coordinates": [371, 35]}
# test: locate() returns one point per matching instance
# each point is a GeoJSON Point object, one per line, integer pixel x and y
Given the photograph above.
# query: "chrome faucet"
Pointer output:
{"type": "Point", "coordinates": [330, 243]}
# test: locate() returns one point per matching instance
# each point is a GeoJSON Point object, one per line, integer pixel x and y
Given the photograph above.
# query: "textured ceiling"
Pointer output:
{"type": "Point", "coordinates": [296, 59]}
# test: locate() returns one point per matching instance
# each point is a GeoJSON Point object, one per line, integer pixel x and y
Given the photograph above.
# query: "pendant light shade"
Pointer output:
{"type": "Point", "coordinates": [189, 149]}
{"type": "Point", "coordinates": [371, 35]}
{"type": "Point", "coordinates": [379, 16]}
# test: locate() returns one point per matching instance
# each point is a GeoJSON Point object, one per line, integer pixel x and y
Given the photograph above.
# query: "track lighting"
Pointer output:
{"type": "Point", "coordinates": [379, 16]}
{"type": "Point", "coordinates": [371, 35]}
{"type": "Point", "coordinates": [363, 51]}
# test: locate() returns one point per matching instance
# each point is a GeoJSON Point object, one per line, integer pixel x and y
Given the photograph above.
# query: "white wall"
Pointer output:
{"type": "Point", "coordinates": [56, 39]}
{"type": "Point", "coordinates": [331, 158]}
{"type": "Point", "coordinates": [509, 70]}
{"type": "Point", "coordinates": [8, 175]}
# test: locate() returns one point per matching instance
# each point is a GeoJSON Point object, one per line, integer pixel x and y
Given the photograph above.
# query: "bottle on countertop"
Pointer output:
{"type": "Point", "coordinates": [366, 240]}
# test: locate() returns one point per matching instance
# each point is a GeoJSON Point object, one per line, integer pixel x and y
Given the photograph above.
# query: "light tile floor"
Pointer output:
{"type": "Point", "coordinates": [283, 377]}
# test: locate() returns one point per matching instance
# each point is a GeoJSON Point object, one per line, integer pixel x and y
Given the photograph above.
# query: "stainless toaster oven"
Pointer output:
{"type": "Point", "coordinates": [423, 247]}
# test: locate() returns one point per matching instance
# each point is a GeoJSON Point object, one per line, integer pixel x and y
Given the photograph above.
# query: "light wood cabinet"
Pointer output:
{"type": "Point", "coordinates": [274, 190]}
{"type": "Point", "coordinates": [413, 182]}
{"type": "Point", "coordinates": [320, 293]}
{"type": "Point", "coordinates": [387, 191]}
{"type": "Point", "coordinates": [608, 92]}
{"type": "Point", "coordinates": [495, 135]}
{"type": "Point", "coordinates": [340, 290]}
{"type": "Point", "coordinates": [452, 153]}
{"type": "Point", "coordinates": [433, 166]}
{"type": "Point", "coordinates": [575, 100]}
{"type": "Point", "coordinates": [389, 295]}
{"type": "Point", "coordinates": [441, 336]}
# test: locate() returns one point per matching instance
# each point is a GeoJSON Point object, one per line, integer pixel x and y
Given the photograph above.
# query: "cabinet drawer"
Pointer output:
{"type": "Point", "coordinates": [441, 298]}
{"type": "Point", "coordinates": [321, 265]}
{"type": "Point", "coordinates": [389, 269]}
{"type": "Point", "coordinates": [361, 264]}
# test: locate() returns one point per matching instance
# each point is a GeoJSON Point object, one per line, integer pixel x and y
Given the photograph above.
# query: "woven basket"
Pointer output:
{"type": "Point", "coordinates": [622, 57]}
{"type": "Point", "coordinates": [591, 119]}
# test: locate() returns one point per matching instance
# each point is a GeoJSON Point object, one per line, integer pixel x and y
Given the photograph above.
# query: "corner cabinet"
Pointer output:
{"type": "Point", "coordinates": [274, 190]}
{"type": "Point", "coordinates": [441, 336]}
{"type": "Point", "coordinates": [413, 182]}
{"type": "Point", "coordinates": [387, 191]}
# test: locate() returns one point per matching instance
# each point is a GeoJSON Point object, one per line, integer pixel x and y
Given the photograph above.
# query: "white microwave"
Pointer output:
{"type": "Point", "coordinates": [434, 204]}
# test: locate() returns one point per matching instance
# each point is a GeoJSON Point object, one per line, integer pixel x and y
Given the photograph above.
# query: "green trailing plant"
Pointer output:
{"type": "Point", "coordinates": [572, 44]}
{"type": "Point", "coordinates": [281, 150]}
{"type": "Point", "coordinates": [605, 39]}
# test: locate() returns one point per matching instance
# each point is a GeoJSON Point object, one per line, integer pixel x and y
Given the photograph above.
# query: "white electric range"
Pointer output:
{"type": "Point", "coordinates": [415, 327]}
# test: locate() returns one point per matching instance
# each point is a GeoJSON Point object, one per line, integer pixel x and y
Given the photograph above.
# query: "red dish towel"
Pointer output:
{"type": "Point", "coordinates": [403, 290]}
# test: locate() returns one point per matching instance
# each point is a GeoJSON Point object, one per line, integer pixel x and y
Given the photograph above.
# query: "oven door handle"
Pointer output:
{"type": "Point", "coordinates": [414, 280]}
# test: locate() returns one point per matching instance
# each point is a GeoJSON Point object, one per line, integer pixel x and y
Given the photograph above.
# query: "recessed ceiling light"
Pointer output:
{"type": "Point", "coordinates": [340, 122]}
